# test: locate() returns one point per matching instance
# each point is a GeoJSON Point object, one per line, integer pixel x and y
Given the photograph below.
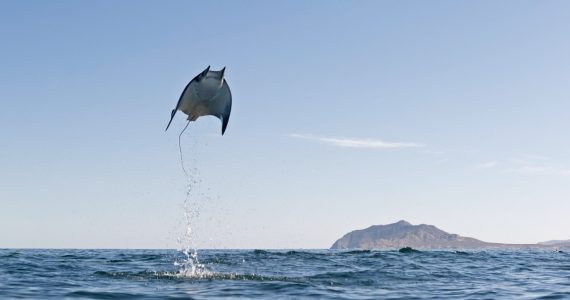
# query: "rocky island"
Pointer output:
{"type": "Point", "coordinates": [403, 234]}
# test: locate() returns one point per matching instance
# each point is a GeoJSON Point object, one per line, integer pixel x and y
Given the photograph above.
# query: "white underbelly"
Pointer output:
{"type": "Point", "coordinates": [198, 98]}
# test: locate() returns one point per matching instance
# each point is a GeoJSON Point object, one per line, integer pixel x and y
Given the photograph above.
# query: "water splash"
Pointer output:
{"type": "Point", "coordinates": [189, 265]}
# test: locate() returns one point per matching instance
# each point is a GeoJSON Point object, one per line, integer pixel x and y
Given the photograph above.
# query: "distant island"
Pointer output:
{"type": "Point", "coordinates": [403, 234]}
{"type": "Point", "coordinates": [557, 243]}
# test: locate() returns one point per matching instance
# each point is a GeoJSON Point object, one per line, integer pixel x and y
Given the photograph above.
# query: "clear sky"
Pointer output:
{"type": "Point", "coordinates": [345, 114]}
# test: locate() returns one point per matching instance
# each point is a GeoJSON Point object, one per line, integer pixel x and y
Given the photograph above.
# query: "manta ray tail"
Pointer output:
{"type": "Point", "coordinates": [180, 149]}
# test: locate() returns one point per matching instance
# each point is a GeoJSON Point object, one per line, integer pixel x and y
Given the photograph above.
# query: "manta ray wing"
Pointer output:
{"type": "Point", "coordinates": [178, 103]}
{"type": "Point", "coordinates": [221, 106]}
{"type": "Point", "coordinates": [196, 78]}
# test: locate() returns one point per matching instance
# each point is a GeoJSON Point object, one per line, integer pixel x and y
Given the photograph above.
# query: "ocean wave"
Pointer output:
{"type": "Point", "coordinates": [113, 274]}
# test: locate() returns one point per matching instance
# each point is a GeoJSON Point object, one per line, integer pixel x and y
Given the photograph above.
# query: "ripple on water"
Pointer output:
{"type": "Point", "coordinates": [107, 274]}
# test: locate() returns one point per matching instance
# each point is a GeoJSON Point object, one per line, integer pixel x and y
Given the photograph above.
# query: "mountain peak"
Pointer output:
{"type": "Point", "coordinates": [402, 222]}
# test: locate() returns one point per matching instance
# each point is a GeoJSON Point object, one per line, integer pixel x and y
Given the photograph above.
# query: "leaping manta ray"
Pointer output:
{"type": "Point", "coordinates": [206, 94]}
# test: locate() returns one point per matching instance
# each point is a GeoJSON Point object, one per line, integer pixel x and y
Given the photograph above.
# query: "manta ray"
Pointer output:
{"type": "Point", "coordinates": [206, 94]}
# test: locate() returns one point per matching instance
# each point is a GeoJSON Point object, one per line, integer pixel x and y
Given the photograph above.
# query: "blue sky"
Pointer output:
{"type": "Point", "coordinates": [345, 115]}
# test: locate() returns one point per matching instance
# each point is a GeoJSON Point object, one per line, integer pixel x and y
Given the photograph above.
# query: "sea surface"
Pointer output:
{"type": "Point", "coordinates": [271, 274]}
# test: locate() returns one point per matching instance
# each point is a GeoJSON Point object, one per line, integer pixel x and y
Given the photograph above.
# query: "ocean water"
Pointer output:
{"type": "Point", "coordinates": [152, 274]}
